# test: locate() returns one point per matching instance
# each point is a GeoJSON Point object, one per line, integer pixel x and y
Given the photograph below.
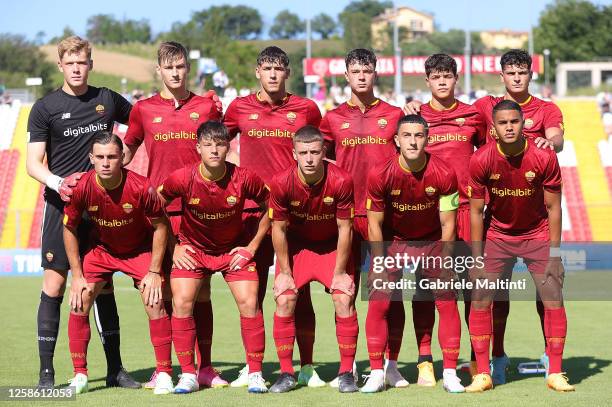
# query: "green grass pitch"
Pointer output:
{"type": "Point", "coordinates": [588, 355]}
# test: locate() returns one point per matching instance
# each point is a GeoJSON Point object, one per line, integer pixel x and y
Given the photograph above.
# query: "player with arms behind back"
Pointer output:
{"type": "Point", "coordinates": [60, 127]}
{"type": "Point", "coordinates": [360, 134]}
{"type": "Point", "coordinates": [131, 231]}
{"type": "Point", "coordinates": [312, 208]}
{"type": "Point", "coordinates": [267, 122]}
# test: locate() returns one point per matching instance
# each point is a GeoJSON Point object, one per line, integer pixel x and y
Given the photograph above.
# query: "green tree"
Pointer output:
{"type": "Point", "coordinates": [103, 28]}
{"type": "Point", "coordinates": [356, 19]}
{"type": "Point", "coordinates": [286, 25]}
{"type": "Point", "coordinates": [324, 25]}
{"type": "Point", "coordinates": [19, 59]}
{"type": "Point", "coordinates": [574, 30]}
{"type": "Point", "coordinates": [238, 22]}
{"type": "Point", "coordinates": [67, 32]}
{"type": "Point", "coordinates": [450, 42]}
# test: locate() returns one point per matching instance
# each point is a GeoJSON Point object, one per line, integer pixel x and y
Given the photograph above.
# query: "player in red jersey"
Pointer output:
{"type": "Point", "coordinates": [212, 238]}
{"type": "Point", "coordinates": [131, 232]}
{"type": "Point", "coordinates": [456, 129]}
{"type": "Point", "coordinates": [412, 201]}
{"type": "Point", "coordinates": [167, 124]}
{"type": "Point", "coordinates": [267, 122]}
{"type": "Point", "coordinates": [523, 219]}
{"type": "Point", "coordinates": [543, 124]}
{"type": "Point", "coordinates": [312, 208]}
{"type": "Point", "coordinates": [360, 134]}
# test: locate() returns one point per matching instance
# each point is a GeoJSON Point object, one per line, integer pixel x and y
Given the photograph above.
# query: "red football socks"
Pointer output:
{"type": "Point", "coordinates": [480, 336]}
{"type": "Point", "coordinates": [347, 331]}
{"type": "Point", "coordinates": [555, 325]}
{"type": "Point", "coordinates": [160, 331]}
{"type": "Point", "coordinates": [79, 334]}
{"type": "Point", "coordinates": [449, 332]}
{"type": "Point", "coordinates": [254, 340]}
{"type": "Point", "coordinates": [203, 317]}
{"type": "Point", "coordinates": [183, 337]}
{"type": "Point", "coordinates": [377, 331]}
{"type": "Point", "coordinates": [284, 337]}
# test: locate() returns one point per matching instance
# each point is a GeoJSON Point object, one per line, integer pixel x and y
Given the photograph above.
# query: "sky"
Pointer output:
{"type": "Point", "coordinates": [28, 17]}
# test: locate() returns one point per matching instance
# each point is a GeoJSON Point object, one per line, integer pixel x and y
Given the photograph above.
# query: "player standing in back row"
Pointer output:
{"type": "Point", "coordinates": [360, 133]}
{"type": "Point", "coordinates": [267, 122]}
{"type": "Point", "coordinates": [60, 127]}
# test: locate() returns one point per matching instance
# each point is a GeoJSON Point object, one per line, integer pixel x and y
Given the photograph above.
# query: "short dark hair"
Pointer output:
{"type": "Point", "coordinates": [413, 118]}
{"type": "Point", "coordinates": [214, 130]}
{"type": "Point", "coordinates": [515, 57]}
{"type": "Point", "coordinates": [360, 56]}
{"type": "Point", "coordinates": [507, 105]}
{"type": "Point", "coordinates": [273, 55]}
{"type": "Point", "coordinates": [307, 134]}
{"type": "Point", "coordinates": [106, 137]}
{"type": "Point", "coordinates": [440, 63]}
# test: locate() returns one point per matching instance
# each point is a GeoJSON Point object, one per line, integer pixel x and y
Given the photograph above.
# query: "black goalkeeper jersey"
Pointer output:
{"type": "Point", "coordinates": [68, 124]}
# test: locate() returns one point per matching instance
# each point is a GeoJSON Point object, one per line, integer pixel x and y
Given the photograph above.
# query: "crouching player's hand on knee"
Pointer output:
{"type": "Point", "coordinates": [78, 288]}
{"type": "Point", "coordinates": [283, 282]}
{"type": "Point", "coordinates": [241, 257]}
{"type": "Point", "coordinates": [151, 288]}
{"type": "Point", "coordinates": [343, 282]}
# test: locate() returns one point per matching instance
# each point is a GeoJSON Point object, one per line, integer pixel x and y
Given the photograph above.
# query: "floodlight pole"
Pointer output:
{"type": "Point", "coordinates": [308, 53]}
{"type": "Point", "coordinates": [468, 62]}
{"type": "Point", "coordinates": [398, 54]}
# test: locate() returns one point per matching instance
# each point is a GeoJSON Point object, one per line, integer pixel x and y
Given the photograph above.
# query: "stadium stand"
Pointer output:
{"type": "Point", "coordinates": [585, 129]}
{"type": "Point", "coordinates": [8, 121]}
{"type": "Point", "coordinates": [8, 167]}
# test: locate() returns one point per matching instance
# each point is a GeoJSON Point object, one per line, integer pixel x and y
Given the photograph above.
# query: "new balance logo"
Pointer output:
{"type": "Point", "coordinates": [65, 116]}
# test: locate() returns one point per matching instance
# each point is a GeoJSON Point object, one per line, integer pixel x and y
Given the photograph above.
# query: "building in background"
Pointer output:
{"type": "Point", "coordinates": [504, 39]}
{"type": "Point", "coordinates": [413, 24]}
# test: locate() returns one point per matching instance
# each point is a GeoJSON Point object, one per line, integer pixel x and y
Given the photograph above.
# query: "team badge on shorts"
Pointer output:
{"type": "Point", "coordinates": [49, 256]}
{"type": "Point", "coordinates": [382, 123]}
{"type": "Point", "coordinates": [194, 116]}
{"type": "Point", "coordinates": [460, 121]}
{"type": "Point", "coordinates": [231, 200]}
{"type": "Point", "coordinates": [291, 116]}
{"type": "Point", "coordinates": [100, 109]}
{"type": "Point", "coordinates": [252, 269]}
{"type": "Point", "coordinates": [430, 191]}
{"type": "Point", "coordinates": [528, 123]}
{"type": "Point", "coordinates": [127, 207]}
{"type": "Point", "coordinates": [529, 176]}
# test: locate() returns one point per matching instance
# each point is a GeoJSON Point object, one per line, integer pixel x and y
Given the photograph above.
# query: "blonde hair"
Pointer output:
{"type": "Point", "coordinates": [73, 45]}
{"type": "Point", "coordinates": [170, 51]}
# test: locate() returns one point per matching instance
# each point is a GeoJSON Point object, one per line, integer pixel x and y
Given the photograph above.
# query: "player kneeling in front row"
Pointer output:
{"type": "Point", "coordinates": [523, 219]}
{"type": "Point", "coordinates": [212, 239]}
{"type": "Point", "coordinates": [412, 200]}
{"type": "Point", "coordinates": [131, 237]}
{"type": "Point", "coordinates": [312, 207]}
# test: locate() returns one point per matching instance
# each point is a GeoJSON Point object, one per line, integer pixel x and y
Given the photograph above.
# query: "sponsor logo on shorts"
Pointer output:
{"type": "Point", "coordinates": [430, 191]}
{"type": "Point", "coordinates": [382, 123]}
{"type": "Point", "coordinates": [395, 192]}
{"type": "Point", "coordinates": [345, 125]}
{"type": "Point", "coordinates": [92, 208]}
{"type": "Point", "coordinates": [194, 116]}
{"type": "Point", "coordinates": [194, 201]}
{"type": "Point", "coordinates": [495, 176]}
{"type": "Point", "coordinates": [529, 176]}
{"type": "Point", "coordinates": [328, 200]}
{"type": "Point", "coordinates": [127, 207]}
{"type": "Point", "coordinates": [253, 116]}
{"type": "Point", "coordinates": [157, 119]}
{"type": "Point", "coordinates": [49, 256]}
{"type": "Point", "coordinates": [528, 123]}
{"type": "Point", "coordinates": [460, 121]}
{"type": "Point", "coordinates": [100, 109]}
{"type": "Point", "coordinates": [291, 116]}
{"type": "Point", "coordinates": [231, 200]}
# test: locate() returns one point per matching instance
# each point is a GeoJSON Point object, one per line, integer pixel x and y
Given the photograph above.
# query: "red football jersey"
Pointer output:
{"type": "Point", "coordinates": [453, 135]}
{"type": "Point", "coordinates": [169, 133]}
{"type": "Point", "coordinates": [212, 209]}
{"type": "Point", "coordinates": [266, 131]}
{"type": "Point", "coordinates": [312, 210]}
{"type": "Point", "coordinates": [515, 187]}
{"type": "Point", "coordinates": [410, 200]}
{"type": "Point", "coordinates": [538, 114]}
{"type": "Point", "coordinates": [120, 215]}
{"type": "Point", "coordinates": [361, 140]}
